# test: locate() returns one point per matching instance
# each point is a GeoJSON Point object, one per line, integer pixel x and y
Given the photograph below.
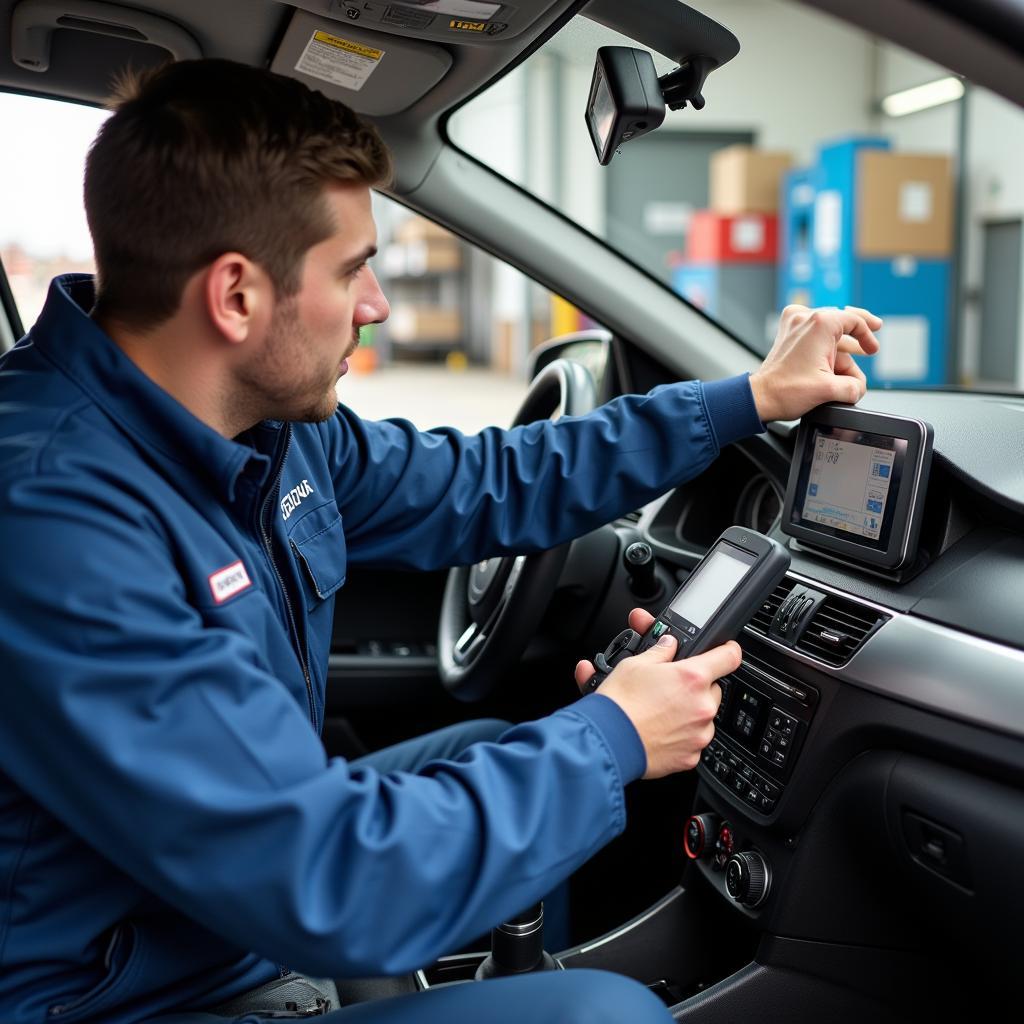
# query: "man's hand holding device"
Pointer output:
{"type": "Point", "coordinates": [666, 689]}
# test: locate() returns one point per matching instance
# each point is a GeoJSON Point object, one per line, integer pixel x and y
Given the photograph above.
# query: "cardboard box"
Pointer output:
{"type": "Point", "coordinates": [904, 205]}
{"type": "Point", "coordinates": [426, 256]}
{"type": "Point", "coordinates": [744, 238]}
{"type": "Point", "coordinates": [746, 180]}
{"type": "Point", "coordinates": [419, 229]}
{"type": "Point", "coordinates": [427, 324]}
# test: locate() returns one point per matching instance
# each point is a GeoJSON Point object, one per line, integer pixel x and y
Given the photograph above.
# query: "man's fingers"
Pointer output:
{"type": "Point", "coordinates": [847, 366]}
{"type": "Point", "coordinates": [584, 670]}
{"type": "Point", "coordinates": [848, 388]}
{"type": "Point", "coordinates": [641, 620]}
{"type": "Point", "coordinates": [857, 328]}
{"type": "Point", "coordinates": [719, 661]}
{"type": "Point", "coordinates": [848, 344]}
{"type": "Point", "coordinates": [873, 321]}
{"type": "Point", "coordinates": [663, 650]}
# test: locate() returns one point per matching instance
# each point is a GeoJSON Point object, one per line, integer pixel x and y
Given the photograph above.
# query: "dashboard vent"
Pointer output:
{"type": "Point", "coordinates": [762, 618]}
{"type": "Point", "coordinates": [839, 627]}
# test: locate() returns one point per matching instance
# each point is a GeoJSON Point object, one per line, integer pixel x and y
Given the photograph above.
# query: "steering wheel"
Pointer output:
{"type": "Point", "coordinates": [491, 609]}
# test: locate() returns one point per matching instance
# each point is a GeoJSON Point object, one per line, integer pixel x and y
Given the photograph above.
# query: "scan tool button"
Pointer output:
{"type": "Point", "coordinates": [658, 628]}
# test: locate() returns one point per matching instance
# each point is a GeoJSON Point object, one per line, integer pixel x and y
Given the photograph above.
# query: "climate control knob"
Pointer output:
{"type": "Point", "coordinates": [701, 831]}
{"type": "Point", "coordinates": [747, 878]}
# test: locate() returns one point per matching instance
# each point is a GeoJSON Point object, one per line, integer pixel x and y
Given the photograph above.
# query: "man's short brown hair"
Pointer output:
{"type": "Point", "coordinates": [205, 157]}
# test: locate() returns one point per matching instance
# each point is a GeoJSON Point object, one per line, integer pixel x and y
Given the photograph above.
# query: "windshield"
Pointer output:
{"type": "Point", "coordinates": [816, 174]}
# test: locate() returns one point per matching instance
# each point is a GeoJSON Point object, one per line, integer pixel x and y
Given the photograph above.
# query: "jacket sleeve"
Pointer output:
{"type": "Point", "coordinates": [430, 499]}
{"type": "Point", "coordinates": [164, 744]}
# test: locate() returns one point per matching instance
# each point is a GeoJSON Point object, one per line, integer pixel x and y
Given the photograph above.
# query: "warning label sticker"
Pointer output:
{"type": "Point", "coordinates": [338, 61]}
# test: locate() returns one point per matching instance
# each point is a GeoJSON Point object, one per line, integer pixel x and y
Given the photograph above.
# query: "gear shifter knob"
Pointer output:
{"type": "Point", "coordinates": [638, 560]}
{"type": "Point", "coordinates": [517, 946]}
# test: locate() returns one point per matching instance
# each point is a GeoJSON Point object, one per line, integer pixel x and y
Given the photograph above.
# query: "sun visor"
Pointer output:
{"type": "Point", "coordinates": [374, 73]}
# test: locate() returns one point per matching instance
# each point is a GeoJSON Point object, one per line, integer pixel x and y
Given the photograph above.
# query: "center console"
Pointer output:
{"type": "Point", "coordinates": [759, 731]}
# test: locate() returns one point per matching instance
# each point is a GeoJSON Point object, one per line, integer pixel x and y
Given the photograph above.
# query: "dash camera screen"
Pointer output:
{"type": "Point", "coordinates": [602, 110]}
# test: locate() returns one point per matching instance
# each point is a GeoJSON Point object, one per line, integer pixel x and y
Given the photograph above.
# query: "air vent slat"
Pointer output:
{"type": "Point", "coordinates": [838, 629]}
{"type": "Point", "coordinates": [843, 618]}
{"type": "Point", "coordinates": [762, 618]}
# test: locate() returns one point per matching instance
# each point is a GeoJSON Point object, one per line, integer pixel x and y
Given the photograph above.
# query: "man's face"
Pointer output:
{"type": "Point", "coordinates": [312, 332]}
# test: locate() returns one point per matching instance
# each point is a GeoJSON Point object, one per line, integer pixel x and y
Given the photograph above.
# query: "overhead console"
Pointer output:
{"type": "Point", "coordinates": [443, 21]}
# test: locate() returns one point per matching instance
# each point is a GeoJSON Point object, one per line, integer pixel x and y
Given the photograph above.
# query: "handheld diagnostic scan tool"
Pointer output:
{"type": "Point", "coordinates": [716, 601]}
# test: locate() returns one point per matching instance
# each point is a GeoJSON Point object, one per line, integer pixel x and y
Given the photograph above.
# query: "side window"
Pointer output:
{"type": "Point", "coordinates": [455, 349]}
{"type": "Point", "coordinates": [453, 353]}
{"type": "Point", "coordinates": [43, 231]}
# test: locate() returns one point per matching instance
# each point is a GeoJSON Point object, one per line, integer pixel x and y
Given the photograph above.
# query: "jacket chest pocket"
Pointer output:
{"type": "Point", "coordinates": [318, 540]}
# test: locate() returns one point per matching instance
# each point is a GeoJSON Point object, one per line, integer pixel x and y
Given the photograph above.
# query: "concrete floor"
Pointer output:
{"type": "Point", "coordinates": [432, 395]}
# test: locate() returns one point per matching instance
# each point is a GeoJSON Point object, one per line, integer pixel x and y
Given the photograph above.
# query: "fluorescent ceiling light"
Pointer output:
{"type": "Point", "coordinates": [921, 97]}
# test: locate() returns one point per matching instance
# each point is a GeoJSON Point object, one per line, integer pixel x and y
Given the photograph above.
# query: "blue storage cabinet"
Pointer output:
{"type": "Point", "coordinates": [796, 238]}
{"type": "Point", "coordinates": [835, 220]}
{"type": "Point", "coordinates": [911, 294]}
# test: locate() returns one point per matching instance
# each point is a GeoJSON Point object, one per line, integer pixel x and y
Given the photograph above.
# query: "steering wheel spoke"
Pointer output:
{"type": "Point", "coordinates": [467, 646]}
{"type": "Point", "coordinates": [491, 609]}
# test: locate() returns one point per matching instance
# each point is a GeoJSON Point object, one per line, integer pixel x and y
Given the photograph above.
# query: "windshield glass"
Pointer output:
{"type": "Point", "coordinates": [816, 174]}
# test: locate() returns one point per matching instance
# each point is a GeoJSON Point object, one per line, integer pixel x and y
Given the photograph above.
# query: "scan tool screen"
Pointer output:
{"type": "Point", "coordinates": [707, 589]}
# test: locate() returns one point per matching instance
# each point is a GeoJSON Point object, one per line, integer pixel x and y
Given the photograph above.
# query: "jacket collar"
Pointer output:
{"type": "Point", "coordinates": [67, 335]}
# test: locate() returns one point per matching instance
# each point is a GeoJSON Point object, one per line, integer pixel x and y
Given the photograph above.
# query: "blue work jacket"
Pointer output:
{"type": "Point", "coordinates": [170, 828]}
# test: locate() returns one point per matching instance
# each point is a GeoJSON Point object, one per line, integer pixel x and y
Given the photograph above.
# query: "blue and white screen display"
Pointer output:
{"type": "Point", "coordinates": [848, 486]}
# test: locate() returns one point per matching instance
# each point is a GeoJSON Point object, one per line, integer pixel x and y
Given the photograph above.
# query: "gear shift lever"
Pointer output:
{"type": "Point", "coordinates": [517, 946]}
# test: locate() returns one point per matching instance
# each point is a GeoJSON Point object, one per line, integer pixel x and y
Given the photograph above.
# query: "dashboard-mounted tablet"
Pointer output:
{"type": "Point", "coordinates": [857, 486]}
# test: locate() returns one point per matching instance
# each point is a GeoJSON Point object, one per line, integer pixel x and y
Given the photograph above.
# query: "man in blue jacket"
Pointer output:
{"type": "Point", "coordinates": [171, 831]}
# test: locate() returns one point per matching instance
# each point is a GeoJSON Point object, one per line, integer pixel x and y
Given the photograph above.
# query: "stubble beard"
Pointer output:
{"type": "Point", "coordinates": [270, 383]}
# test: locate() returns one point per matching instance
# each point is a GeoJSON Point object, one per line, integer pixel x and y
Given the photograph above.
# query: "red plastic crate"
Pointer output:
{"type": "Point", "coordinates": [736, 238]}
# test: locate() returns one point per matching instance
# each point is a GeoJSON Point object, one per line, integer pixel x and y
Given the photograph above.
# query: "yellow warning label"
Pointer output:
{"type": "Point", "coordinates": [348, 45]}
{"type": "Point", "coordinates": [467, 26]}
{"type": "Point", "coordinates": [339, 61]}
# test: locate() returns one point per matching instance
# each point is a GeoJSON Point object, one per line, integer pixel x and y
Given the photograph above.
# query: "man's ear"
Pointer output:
{"type": "Point", "coordinates": [238, 296]}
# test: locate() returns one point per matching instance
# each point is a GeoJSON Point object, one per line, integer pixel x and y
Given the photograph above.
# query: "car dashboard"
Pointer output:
{"type": "Point", "coordinates": [865, 789]}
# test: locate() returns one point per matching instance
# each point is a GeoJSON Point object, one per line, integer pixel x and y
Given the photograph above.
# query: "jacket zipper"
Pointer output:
{"type": "Point", "coordinates": [268, 550]}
